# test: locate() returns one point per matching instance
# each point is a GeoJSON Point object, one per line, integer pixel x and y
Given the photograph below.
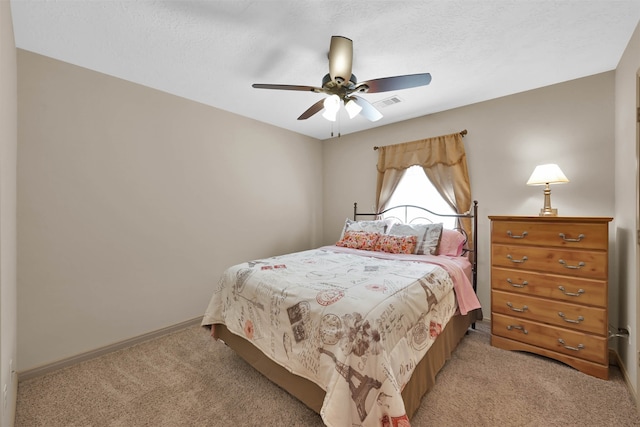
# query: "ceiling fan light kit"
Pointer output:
{"type": "Point", "coordinates": [331, 106]}
{"type": "Point", "coordinates": [341, 85]}
{"type": "Point", "coordinates": [352, 108]}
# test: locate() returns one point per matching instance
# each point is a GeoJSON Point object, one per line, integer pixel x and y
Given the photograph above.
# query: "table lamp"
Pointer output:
{"type": "Point", "coordinates": [545, 175]}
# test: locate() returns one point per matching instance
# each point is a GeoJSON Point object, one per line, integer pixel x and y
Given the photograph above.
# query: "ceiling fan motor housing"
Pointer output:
{"type": "Point", "coordinates": [339, 80]}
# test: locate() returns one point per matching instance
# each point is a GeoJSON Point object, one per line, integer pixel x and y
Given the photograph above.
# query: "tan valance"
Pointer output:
{"type": "Point", "coordinates": [446, 149]}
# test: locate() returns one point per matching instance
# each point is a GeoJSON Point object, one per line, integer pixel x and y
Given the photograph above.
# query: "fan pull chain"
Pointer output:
{"type": "Point", "coordinates": [338, 121]}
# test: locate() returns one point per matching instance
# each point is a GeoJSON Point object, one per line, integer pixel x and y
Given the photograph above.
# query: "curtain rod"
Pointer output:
{"type": "Point", "coordinates": [463, 132]}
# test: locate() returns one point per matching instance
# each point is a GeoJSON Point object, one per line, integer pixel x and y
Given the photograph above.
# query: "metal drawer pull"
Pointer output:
{"type": "Point", "coordinates": [518, 285]}
{"type": "Point", "coordinates": [517, 261]}
{"type": "Point", "coordinates": [519, 310]}
{"type": "Point", "coordinates": [575, 267]}
{"type": "Point", "coordinates": [578, 320]}
{"type": "Point", "coordinates": [518, 327]}
{"type": "Point", "coordinates": [571, 294]}
{"type": "Point", "coordinates": [522, 236]}
{"type": "Point", "coordinates": [568, 347]}
{"type": "Point", "coordinates": [580, 237]}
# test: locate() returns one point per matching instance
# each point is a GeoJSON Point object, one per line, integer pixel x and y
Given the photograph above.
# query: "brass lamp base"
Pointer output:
{"type": "Point", "coordinates": [548, 210]}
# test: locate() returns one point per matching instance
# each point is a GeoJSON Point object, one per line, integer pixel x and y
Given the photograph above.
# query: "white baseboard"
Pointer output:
{"type": "Point", "coordinates": [614, 358]}
{"type": "Point", "coordinates": [50, 367]}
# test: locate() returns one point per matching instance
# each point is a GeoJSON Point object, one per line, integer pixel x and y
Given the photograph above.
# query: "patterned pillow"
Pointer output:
{"type": "Point", "coordinates": [396, 244]}
{"type": "Point", "coordinates": [428, 236]}
{"type": "Point", "coordinates": [359, 240]}
{"type": "Point", "coordinates": [374, 226]}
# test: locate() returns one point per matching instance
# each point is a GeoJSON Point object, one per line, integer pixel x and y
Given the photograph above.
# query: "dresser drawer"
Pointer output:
{"type": "Point", "coordinates": [561, 288]}
{"type": "Point", "coordinates": [566, 315]}
{"type": "Point", "coordinates": [561, 340]}
{"type": "Point", "coordinates": [573, 235]}
{"type": "Point", "coordinates": [578, 263]}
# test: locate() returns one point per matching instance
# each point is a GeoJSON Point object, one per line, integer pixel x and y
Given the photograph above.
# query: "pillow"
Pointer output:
{"type": "Point", "coordinates": [428, 236]}
{"type": "Point", "coordinates": [390, 222]}
{"type": "Point", "coordinates": [359, 240]}
{"type": "Point", "coordinates": [451, 243]}
{"type": "Point", "coordinates": [376, 226]}
{"type": "Point", "coordinates": [396, 244]}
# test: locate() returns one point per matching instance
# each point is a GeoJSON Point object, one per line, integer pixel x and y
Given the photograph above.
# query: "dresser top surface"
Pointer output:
{"type": "Point", "coordinates": [571, 219]}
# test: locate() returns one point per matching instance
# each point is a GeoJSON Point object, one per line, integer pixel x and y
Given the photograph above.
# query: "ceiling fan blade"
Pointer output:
{"type": "Point", "coordinates": [395, 83]}
{"type": "Point", "coordinates": [340, 59]}
{"type": "Point", "coordinates": [368, 111]}
{"type": "Point", "coordinates": [287, 87]}
{"type": "Point", "coordinates": [312, 110]}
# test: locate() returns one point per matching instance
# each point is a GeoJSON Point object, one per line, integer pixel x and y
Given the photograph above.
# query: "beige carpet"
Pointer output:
{"type": "Point", "coordinates": [185, 379]}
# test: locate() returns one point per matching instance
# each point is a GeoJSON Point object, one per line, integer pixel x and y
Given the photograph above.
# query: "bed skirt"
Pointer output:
{"type": "Point", "coordinates": [422, 380]}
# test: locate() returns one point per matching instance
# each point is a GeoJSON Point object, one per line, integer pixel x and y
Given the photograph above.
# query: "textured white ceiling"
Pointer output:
{"type": "Point", "coordinates": [212, 51]}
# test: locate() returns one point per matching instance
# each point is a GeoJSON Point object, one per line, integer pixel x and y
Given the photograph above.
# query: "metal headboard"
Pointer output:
{"type": "Point", "coordinates": [472, 214]}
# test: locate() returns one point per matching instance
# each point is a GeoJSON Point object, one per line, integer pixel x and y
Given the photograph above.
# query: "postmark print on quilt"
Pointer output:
{"type": "Point", "coordinates": [330, 329]}
{"type": "Point", "coordinates": [329, 296]}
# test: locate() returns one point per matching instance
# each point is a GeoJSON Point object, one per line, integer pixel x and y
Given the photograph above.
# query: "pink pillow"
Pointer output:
{"type": "Point", "coordinates": [451, 243]}
{"type": "Point", "coordinates": [396, 244]}
{"type": "Point", "coordinates": [359, 240]}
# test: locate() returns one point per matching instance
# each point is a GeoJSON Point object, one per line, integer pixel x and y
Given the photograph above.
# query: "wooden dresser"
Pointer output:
{"type": "Point", "coordinates": [549, 288]}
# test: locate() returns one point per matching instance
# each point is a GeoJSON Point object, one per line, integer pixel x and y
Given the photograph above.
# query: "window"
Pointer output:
{"type": "Point", "coordinates": [415, 188]}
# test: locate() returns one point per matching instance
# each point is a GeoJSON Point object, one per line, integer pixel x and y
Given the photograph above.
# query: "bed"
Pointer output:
{"type": "Point", "coordinates": [358, 330]}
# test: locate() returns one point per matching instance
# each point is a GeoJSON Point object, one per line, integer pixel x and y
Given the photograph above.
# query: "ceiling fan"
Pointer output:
{"type": "Point", "coordinates": [342, 86]}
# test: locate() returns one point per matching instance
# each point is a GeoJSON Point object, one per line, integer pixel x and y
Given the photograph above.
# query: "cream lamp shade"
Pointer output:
{"type": "Point", "coordinates": [545, 175]}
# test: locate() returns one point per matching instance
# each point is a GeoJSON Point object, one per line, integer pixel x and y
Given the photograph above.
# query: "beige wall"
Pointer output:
{"type": "Point", "coordinates": [131, 202]}
{"type": "Point", "coordinates": [8, 143]}
{"type": "Point", "coordinates": [570, 124]}
{"type": "Point", "coordinates": [626, 180]}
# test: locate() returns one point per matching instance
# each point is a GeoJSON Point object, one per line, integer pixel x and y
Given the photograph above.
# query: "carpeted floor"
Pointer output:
{"type": "Point", "coordinates": [186, 379]}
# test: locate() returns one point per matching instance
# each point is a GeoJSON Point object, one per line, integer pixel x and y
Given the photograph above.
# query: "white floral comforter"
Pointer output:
{"type": "Point", "coordinates": [355, 325]}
